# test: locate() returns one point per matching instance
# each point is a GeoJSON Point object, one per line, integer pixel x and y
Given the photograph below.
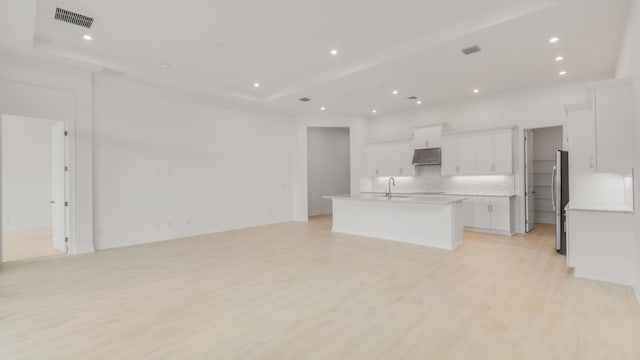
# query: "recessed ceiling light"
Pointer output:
{"type": "Point", "coordinates": [323, 108]}
{"type": "Point", "coordinates": [87, 37]}
{"type": "Point", "coordinates": [395, 92]}
{"type": "Point", "coordinates": [419, 102]}
{"type": "Point", "coordinates": [563, 73]}
{"type": "Point", "coordinates": [475, 91]}
{"type": "Point", "coordinates": [559, 58]}
{"type": "Point", "coordinates": [165, 65]}
{"type": "Point", "coordinates": [334, 52]}
{"type": "Point", "coordinates": [374, 111]}
{"type": "Point", "coordinates": [554, 39]}
{"type": "Point", "coordinates": [256, 85]}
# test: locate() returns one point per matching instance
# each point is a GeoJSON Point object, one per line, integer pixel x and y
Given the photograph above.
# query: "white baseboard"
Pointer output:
{"type": "Point", "coordinates": [487, 231]}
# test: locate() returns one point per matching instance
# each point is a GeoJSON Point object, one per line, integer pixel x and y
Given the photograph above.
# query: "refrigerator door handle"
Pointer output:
{"type": "Point", "coordinates": [553, 187]}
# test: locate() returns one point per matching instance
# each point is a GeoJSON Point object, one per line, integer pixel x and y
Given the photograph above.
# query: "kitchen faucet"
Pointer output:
{"type": "Point", "coordinates": [391, 179]}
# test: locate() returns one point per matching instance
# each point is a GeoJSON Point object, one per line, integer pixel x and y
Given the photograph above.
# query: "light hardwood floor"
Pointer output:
{"type": "Point", "coordinates": [297, 291]}
{"type": "Point", "coordinates": [28, 244]}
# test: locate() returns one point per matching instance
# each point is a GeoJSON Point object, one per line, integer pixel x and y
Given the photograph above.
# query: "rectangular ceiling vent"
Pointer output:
{"type": "Point", "coordinates": [471, 50]}
{"type": "Point", "coordinates": [304, 99]}
{"type": "Point", "coordinates": [73, 18]}
{"type": "Point", "coordinates": [412, 98]}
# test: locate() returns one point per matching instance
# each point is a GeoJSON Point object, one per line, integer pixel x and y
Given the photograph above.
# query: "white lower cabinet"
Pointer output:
{"type": "Point", "coordinates": [482, 213]}
{"type": "Point", "coordinates": [467, 211]}
{"type": "Point", "coordinates": [492, 214]}
{"type": "Point", "coordinates": [600, 245]}
{"type": "Point", "coordinates": [500, 214]}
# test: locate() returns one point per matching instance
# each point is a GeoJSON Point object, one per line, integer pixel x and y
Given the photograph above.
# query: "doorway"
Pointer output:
{"type": "Point", "coordinates": [34, 204]}
{"type": "Point", "coordinates": [328, 167]}
{"type": "Point", "coordinates": [541, 146]}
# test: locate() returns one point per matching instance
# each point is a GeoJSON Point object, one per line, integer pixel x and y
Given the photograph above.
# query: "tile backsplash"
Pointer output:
{"type": "Point", "coordinates": [429, 179]}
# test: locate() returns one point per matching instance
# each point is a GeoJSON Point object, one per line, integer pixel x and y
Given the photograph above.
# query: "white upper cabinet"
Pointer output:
{"type": "Point", "coordinates": [480, 153]}
{"type": "Point", "coordinates": [613, 104]}
{"type": "Point", "coordinates": [467, 158]}
{"type": "Point", "coordinates": [390, 159]}
{"type": "Point", "coordinates": [484, 152]}
{"type": "Point", "coordinates": [581, 139]}
{"type": "Point", "coordinates": [450, 156]}
{"type": "Point", "coordinates": [502, 152]}
{"type": "Point", "coordinates": [427, 137]}
{"type": "Point", "coordinates": [600, 134]}
{"type": "Point", "coordinates": [372, 160]}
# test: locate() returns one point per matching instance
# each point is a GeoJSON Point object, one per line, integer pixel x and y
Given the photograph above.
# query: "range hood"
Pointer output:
{"type": "Point", "coordinates": [427, 156]}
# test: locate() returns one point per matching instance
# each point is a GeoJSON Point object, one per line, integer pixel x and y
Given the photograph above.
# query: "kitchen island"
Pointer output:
{"type": "Point", "coordinates": [435, 221]}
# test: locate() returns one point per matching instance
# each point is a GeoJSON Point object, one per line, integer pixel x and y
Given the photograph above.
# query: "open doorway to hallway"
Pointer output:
{"type": "Point", "coordinates": [328, 167]}
{"type": "Point", "coordinates": [33, 188]}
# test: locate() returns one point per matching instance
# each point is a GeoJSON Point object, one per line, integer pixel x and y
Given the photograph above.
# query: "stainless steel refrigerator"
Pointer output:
{"type": "Point", "coordinates": [560, 198]}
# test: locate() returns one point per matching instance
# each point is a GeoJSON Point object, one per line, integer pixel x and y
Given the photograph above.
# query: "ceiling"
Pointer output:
{"type": "Point", "coordinates": [221, 48]}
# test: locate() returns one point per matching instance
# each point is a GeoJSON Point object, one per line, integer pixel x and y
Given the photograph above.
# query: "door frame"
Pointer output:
{"type": "Point", "coordinates": [348, 128]}
{"type": "Point", "coordinates": [521, 170]}
{"type": "Point", "coordinates": [528, 197]}
{"type": "Point", "coordinates": [70, 186]}
{"type": "Point", "coordinates": [357, 156]}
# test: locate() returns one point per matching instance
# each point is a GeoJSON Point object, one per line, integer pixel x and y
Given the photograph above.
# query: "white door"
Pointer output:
{"type": "Point", "coordinates": [58, 189]}
{"type": "Point", "coordinates": [529, 195]}
{"type": "Point", "coordinates": [503, 151]}
{"type": "Point", "coordinates": [484, 153]}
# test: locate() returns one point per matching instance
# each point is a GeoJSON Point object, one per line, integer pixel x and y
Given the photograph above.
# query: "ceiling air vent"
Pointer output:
{"type": "Point", "coordinates": [73, 18]}
{"type": "Point", "coordinates": [471, 50]}
{"type": "Point", "coordinates": [304, 99]}
{"type": "Point", "coordinates": [412, 98]}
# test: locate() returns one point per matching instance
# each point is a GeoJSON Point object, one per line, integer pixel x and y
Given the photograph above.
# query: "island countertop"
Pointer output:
{"type": "Point", "coordinates": [431, 199]}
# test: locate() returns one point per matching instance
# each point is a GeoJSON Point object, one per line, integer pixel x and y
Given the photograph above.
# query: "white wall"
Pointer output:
{"type": "Point", "coordinates": [46, 90]}
{"type": "Point", "coordinates": [625, 65]}
{"type": "Point", "coordinates": [329, 167]}
{"type": "Point", "coordinates": [167, 167]}
{"type": "Point", "coordinates": [546, 141]}
{"type": "Point", "coordinates": [358, 129]}
{"type": "Point", "coordinates": [26, 173]}
{"type": "Point", "coordinates": [530, 108]}
{"type": "Point", "coordinates": [629, 65]}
